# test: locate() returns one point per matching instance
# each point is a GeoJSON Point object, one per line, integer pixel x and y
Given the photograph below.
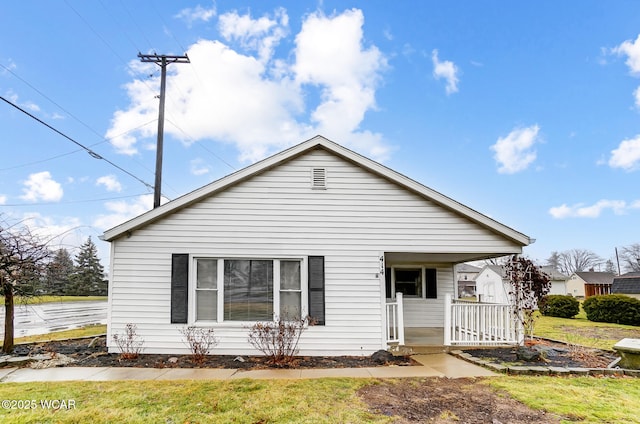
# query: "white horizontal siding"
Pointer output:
{"type": "Point", "coordinates": [277, 214]}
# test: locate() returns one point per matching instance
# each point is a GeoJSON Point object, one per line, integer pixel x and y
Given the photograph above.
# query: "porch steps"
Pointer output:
{"type": "Point", "coordinates": [418, 349]}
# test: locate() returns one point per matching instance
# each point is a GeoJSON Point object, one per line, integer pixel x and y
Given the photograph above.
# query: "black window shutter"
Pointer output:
{"type": "Point", "coordinates": [179, 288]}
{"type": "Point", "coordinates": [316, 289]}
{"type": "Point", "coordinates": [432, 283]}
{"type": "Point", "coordinates": [387, 283]}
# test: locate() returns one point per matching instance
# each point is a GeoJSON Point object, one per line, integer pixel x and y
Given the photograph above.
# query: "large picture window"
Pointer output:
{"type": "Point", "coordinates": [247, 289]}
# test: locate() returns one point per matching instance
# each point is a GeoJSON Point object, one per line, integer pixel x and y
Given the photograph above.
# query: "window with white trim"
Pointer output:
{"type": "Point", "coordinates": [413, 281]}
{"type": "Point", "coordinates": [247, 290]}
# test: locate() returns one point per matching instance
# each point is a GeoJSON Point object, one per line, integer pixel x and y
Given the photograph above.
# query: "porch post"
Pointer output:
{"type": "Point", "coordinates": [400, 322]}
{"type": "Point", "coordinates": [447, 320]}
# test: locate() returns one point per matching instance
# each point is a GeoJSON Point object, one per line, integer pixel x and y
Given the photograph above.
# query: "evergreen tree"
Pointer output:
{"type": "Point", "coordinates": [609, 266]}
{"type": "Point", "coordinates": [88, 277]}
{"type": "Point", "coordinates": [57, 279]}
{"type": "Point", "coordinates": [554, 261]}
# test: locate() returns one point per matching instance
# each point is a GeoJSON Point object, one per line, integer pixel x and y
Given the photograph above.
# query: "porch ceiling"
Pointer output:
{"type": "Point", "coordinates": [400, 258]}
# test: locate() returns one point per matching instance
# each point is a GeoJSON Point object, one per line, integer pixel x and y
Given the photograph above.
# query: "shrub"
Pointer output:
{"type": "Point", "coordinates": [561, 306]}
{"type": "Point", "coordinates": [129, 344]}
{"type": "Point", "coordinates": [200, 342]}
{"type": "Point", "coordinates": [614, 308]}
{"type": "Point", "coordinates": [279, 339]}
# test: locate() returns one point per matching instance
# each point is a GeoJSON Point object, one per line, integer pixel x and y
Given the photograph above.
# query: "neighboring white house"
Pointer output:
{"type": "Point", "coordinates": [492, 285]}
{"type": "Point", "coordinates": [316, 229]}
{"type": "Point", "coordinates": [558, 280]}
{"type": "Point", "coordinates": [466, 275]}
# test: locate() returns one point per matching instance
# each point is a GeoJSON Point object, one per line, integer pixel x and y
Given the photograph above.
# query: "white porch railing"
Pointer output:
{"type": "Point", "coordinates": [395, 321]}
{"type": "Point", "coordinates": [480, 324]}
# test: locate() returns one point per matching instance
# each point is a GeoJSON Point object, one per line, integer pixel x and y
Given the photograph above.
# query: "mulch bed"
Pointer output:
{"type": "Point", "coordinates": [93, 352]}
{"type": "Point", "coordinates": [554, 354]}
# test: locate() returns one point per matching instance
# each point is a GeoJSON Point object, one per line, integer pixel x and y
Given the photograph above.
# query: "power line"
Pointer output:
{"type": "Point", "coordinates": [88, 150]}
{"type": "Point", "coordinates": [74, 151]}
{"type": "Point", "coordinates": [72, 201]}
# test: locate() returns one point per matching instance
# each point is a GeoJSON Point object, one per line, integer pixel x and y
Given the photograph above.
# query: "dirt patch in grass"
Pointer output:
{"type": "Point", "coordinates": [447, 401]}
{"type": "Point", "coordinates": [602, 332]}
{"type": "Point", "coordinates": [92, 352]}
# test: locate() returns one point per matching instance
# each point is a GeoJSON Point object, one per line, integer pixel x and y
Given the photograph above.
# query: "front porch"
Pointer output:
{"type": "Point", "coordinates": [465, 324]}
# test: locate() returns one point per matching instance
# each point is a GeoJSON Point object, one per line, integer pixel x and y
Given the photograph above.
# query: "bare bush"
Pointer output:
{"type": "Point", "coordinates": [129, 344]}
{"type": "Point", "coordinates": [200, 342]}
{"type": "Point", "coordinates": [279, 339]}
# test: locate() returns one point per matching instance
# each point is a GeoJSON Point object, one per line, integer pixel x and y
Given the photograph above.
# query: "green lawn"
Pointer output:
{"type": "Point", "coordinates": [87, 331]}
{"type": "Point", "coordinates": [584, 399]}
{"type": "Point", "coordinates": [580, 399]}
{"type": "Point", "coordinates": [581, 331]}
{"type": "Point", "coordinates": [240, 401]}
{"type": "Point", "coordinates": [36, 300]}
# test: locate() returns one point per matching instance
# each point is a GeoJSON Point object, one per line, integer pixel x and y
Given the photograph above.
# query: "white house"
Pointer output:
{"type": "Point", "coordinates": [492, 285]}
{"type": "Point", "coordinates": [316, 229]}
{"type": "Point", "coordinates": [558, 280]}
{"type": "Point", "coordinates": [466, 275]}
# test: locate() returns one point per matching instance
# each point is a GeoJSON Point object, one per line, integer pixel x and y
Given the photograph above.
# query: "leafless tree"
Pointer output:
{"type": "Point", "coordinates": [631, 257]}
{"type": "Point", "coordinates": [576, 260]}
{"type": "Point", "coordinates": [528, 285]}
{"type": "Point", "coordinates": [22, 258]}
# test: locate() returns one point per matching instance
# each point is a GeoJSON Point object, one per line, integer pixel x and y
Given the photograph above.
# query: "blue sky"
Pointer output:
{"type": "Point", "coordinates": [528, 113]}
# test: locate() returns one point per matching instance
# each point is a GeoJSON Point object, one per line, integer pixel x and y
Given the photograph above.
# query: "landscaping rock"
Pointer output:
{"type": "Point", "coordinates": [528, 354]}
{"type": "Point", "coordinates": [382, 357]}
{"type": "Point", "coordinates": [173, 360]}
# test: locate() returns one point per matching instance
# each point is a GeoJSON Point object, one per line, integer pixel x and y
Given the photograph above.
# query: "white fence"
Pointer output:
{"type": "Point", "coordinates": [480, 324]}
{"type": "Point", "coordinates": [395, 321]}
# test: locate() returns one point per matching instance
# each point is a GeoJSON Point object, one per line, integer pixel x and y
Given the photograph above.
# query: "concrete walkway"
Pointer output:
{"type": "Point", "coordinates": [438, 365]}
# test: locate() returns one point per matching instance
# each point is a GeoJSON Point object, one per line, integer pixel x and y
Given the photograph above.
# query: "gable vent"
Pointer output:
{"type": "Point", "coordinates": [319, 178]}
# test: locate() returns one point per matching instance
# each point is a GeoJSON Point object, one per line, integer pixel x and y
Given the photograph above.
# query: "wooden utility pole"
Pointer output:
{"type": "Point", "coordinates": [162, 61]}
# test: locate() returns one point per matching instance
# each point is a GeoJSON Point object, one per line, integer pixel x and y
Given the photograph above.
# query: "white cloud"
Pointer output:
{"type": "Point", "coordinates": [261, 35]}
{"type": "Point", "coordinates": [330, 55]}
{"type": "Point", "coordinates": [3, 199]}
{"type": "Point", "coordinates": [198, 13]}
{"type": "Point", "coordinates": [41, 187]}
{"type": "Point", "coordinates": [632, 50]}
{"type": "Point", "coordinates": [199, 167]}
{"type": "Point", "coordinates": [123, 210]}
{"type": "Point", "coordinates": [29, 105]}
{"type": "Point", "coordinates": [447, 70]}
{"type": "Point", "coordinates": [258, 101]}
{"type": "Point", "coordinates": [627, 155]}
{"type": "Point", "coordinates": [619, 207]}
{"type": "Point", "coordinates": [110, 182]}
{"type": "Point", "coordinates": [514, 153]}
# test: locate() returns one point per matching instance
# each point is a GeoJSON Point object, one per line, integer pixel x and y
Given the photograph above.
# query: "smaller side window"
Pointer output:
{"type": "Point", "coordinates": [206, 289]}
{"type": "Point", "coordinates": [290, 289]}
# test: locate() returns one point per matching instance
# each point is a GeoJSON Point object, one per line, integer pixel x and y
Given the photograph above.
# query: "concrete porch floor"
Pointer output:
{"type": "Point", "coordinates": [423, 340]}
{"type": "Point", "coordinates": [429, 336]}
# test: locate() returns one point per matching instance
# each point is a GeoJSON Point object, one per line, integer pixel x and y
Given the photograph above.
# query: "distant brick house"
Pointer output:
{"type": "Point", "coordinates": [627, 284]}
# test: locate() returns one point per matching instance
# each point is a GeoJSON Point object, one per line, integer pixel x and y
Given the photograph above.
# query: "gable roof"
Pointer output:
{"type": "Point", "coordinates": [553, 273]}
{"type": "Point", "coordinates": [467, 268]}
{"type": "Point", "coordinates": [628, 283]}
{"type": "Point", "coordinates": [318, 142]}
{"type": "Point", "coordinates": [592, 277]}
